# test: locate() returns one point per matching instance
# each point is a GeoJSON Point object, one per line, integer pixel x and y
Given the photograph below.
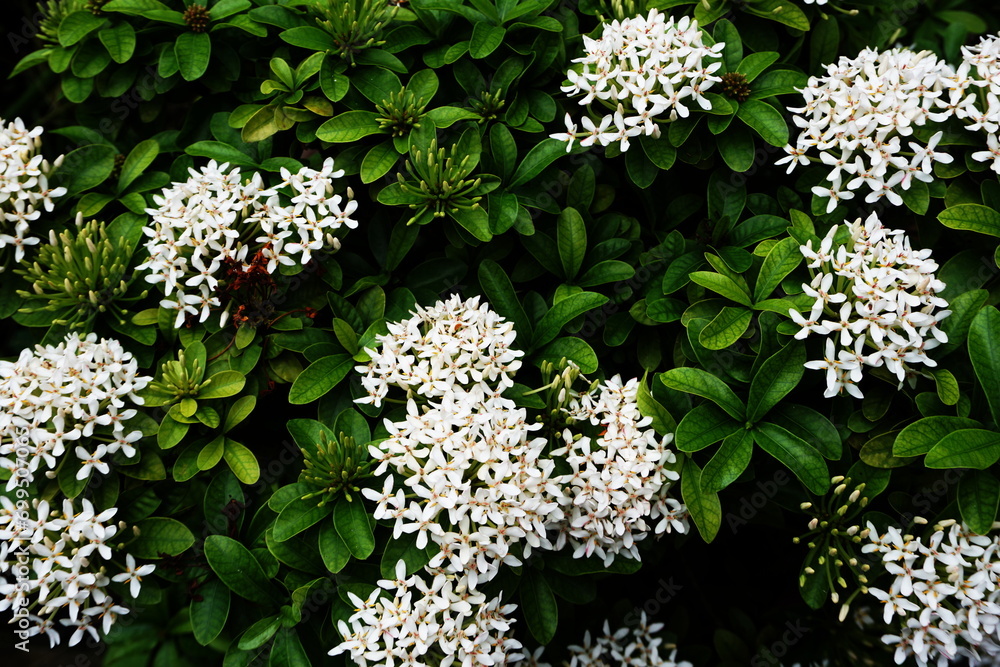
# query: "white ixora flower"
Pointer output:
{"type": "Point", "coordinates": [643, 70]}
{"type": "Point", "coordinates": [59, 398]}
{"type": "Point", "coordinates": [944, 597]}
{"type": "Point", "coordinates": [24, 186]}
{"type": "Point", "coordinates": [879, 296]}
{"type": "Point", "coordinates": [410, 621]}
{"type": "Point", "coordinates": [218, 222]}
{"type": "Point", "coordinates": [55, 561]}
{"type": "Point", "coordinates": [860, 121]}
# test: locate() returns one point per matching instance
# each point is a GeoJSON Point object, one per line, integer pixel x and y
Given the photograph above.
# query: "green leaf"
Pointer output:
{"type": "Point", "coordinates": [319, 378]}
{"type": "Point", "coordinates": [726, 328]}
{"type": "Point", "coordinates": [576, 350]}
{"type": "Point", "coordinates": [736, 148]}
{"type": "Point", "coordinates": [485, 39]}
{"type": "Point", "coordinates": [765, 121]}
{"type": "Point", "coordinates": [239, 570]}
{"type": "Point", "coordinates": [298, 516]}
{"type": "Point", "coordinates": [170, 433]}
{"type": "Point", "coordinates": [539, 606]}
{"type": "Point", "coordinates": [947, 386]}
{"type": "Point", "coordinates": [728, 462]}
{"type": "Point", "coordinates": [756, 229]}
{"type": "Point", "coordinates": [723, 285]}
{"type": "Point", "coordinates": [226, 8]}
{"type": "Point", "coordinates": [193, 51]}
{"type": "Point", "coordinates": [502, 297]}
{"type": "Point", "coordinates": [877, 452]}
{"type": "Point", "coordinates": [971, 217]}
{"type": "Point", "coordinates": [308, 37]}
{"type": "Point", "coordinates": [700, 383]}
{"type": "Point", "coordinates": [795, 453]}
{"type": "Point", "coordinates": [538, 158]}
{"type": "Point", "coordinates": [348, 127]}
{"type": "Point", "coordinates": [984, 351]}
{"type": "Point", "coordinates": [726, 32]}
{"type": "Point", "coordinates": [703, 505]}
{"type": "Point", "coordinates": [809, 425]}
{"type": "Point", "coordinates": [217, 150]}
{"type": "Point", "coordinates": [159, 537]}
{"type": "Point", "coordinates": [705, 425]}
{"type": "Point", "coordinates": [378, 162]}
{"type": "Point", "coordinates": [76, 26]}
{"type": "Point", "coordinates": [241, 461]}
{"type": "Point", "coordinates": [332, 548]}
{"type": "Point", "coordinates": [563, 312]}
{"type": "Point", "coordinates": [781, 260]}
{"type": "Point", "coordinates": [211, 453]}
{"type": "Point", "coordinates": [607, 271]}
{"type": "Point", "coordinates": [504, 150]}
{"type": "Point", "coordinates": [966, 448]}
{"type": "Point", "coordinates": [87, 167]}
{"type": "Point", "coordinates": [475, 220]}
{"type": "Point", "coordinates": [978, 497]}
{"type": "Point", "coordinates": [138, 159]}
{"type": "Point", "coordinates": [781, 11]}
{"type": "Point", "coordinates": [287, 650]}
{"type": "Point", "coordinates": [755, 63]}
{"type": "Point", "coordinates": [920, 437]}
{"type": "Point", "coordinates": [964, 309]}
{"type": "Point", "coordinates": [775, 379]}
{"type": "Point", "coordinates": [351, 521]}
{"type": "Point", "coordinates": [663, 422]}
{"type": "Point", "coordinates": [239, 411]}
{"type": "Point", "coordinates": [571, 238]}
{"type": "Point", "coordinates": [223, 384]}
{"type": "Point", "coordinates": [209, 611]}
{"type": "Point", "coordinates": [443, 117]}
{"type": "Point", "coordinates": [259, 633]}
{"type": "Point", "coordinates": [119, 40]}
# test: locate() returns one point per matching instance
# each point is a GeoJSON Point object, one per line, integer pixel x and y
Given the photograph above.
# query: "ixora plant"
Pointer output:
{"type": "Point", "coordinates": [501, 332]}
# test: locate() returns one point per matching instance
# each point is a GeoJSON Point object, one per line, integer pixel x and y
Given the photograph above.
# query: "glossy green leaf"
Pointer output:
{"type": "Point", "coordinates": [922, 435]}
{"type": "Point", "coordinates": [332, 548]}
{"type": "Point", "coordinates": [539, 606]}
{"type": "Point", "coordinates": [781, 260]}
{"type": "Point", "coordinates": [485, 39]}
{"type": "Point", "coordinates": [703, 505]}
{"type": "Point", "coordinates": [119, 40]}
{"type": "Point", "coordinates": [728, 462]}
{"type": "Point", "coordinates": [223, 384]}
{"type": "Point", "coordinates": [160, 537]}
{"type": "Point", "coordinates": [796, 454]}
{"type": "Point", "coordinates": [319, 378]}
{"type": "Point", "coordinates": [349, 127]}
{"type": "Point", "coordinates": [193, 51]}
{"type": "Point", "coordinates": [209, 611]}
{"type": "Point", "coordinates": [241, 461]}
{"type": "Point", "coordinates": [378, 162]}
{"type": "Point", "coordinates": [978, 497]}
{"type": "Point", "coordinates": [298, 516]}
{"type": "Point", "coordinates": [726, 328]}
{"type": "Point", "coordinates": [723, 285]}
{"type": "Point", "coordinates": [239, 570]}
{"type": "Point", "coordinates": [704, 384]}
{"type": "Point", "coordinates": [971, 217]}
{"type": "Point", "coordinates": [538, 158]}
{"type": "Point", "coordinates": [765, 121]}
{"type": "Point", "coordinates": [502, 297]}
{"type": "Point", "coordinates": [704, 425]}
{"type": "Point", "coordinates": [984, 351]}
{"type": "Point", "coordinates": [571, 238]}
{"type": "Point", "coordinates": [966, 448]}
{"type": "Point", "coordinates": [775, 379]}
{"type": "Point", "coordinates": [351, 521]}
{"type": "Point", "coordinates": [561, 313]}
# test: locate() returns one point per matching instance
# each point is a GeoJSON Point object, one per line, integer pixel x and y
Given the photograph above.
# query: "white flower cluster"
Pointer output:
{"type": "Point", "coordinates": [58, 394]}
{"type": "Point", "coordinates": [634, 648]}
{"type": "Point", "coordinates": [945, 593]}
{"type": "Point", "coordinates": [479, 480]}
{"type": "Point", "coordinates": [643, 70]}
{"type": "Point", "coordinates": [453, 343]}
{"type": "Point", "coordinates": [859, 114]}
{"type": "Point", "coordinates": [983, 109]}
{"type": "Point", "coordinates": [204, 227]}
{"type": "Point", "coordinates": [878, 296]}
{"type": "Point", "coordinates": [420, 623]}
{"type": "Point", "coordinates": [24, 185]}
{"type": "Point", "coordinates": [619, 479]}
{"type": "Point", "coordinates": [63, 557]}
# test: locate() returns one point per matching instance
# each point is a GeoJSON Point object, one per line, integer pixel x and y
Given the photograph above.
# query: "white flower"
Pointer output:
{"type": "Point", "coordinates": [855, 115]}
{"type": "Point", "coordinates": [23, 185]}
{"type": "Point", "coordinates": [68, 557]}
{"type": "Point", "coordinates": [647, 67]}
{"type": "Point", "coordinates": [55, 396]}
{"type": "Point", "coordinates": [887, 296]}
{"type": "Point", "coordinates": [636, 646]}
{"type": "Point", "coordinates": [198, 230]}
